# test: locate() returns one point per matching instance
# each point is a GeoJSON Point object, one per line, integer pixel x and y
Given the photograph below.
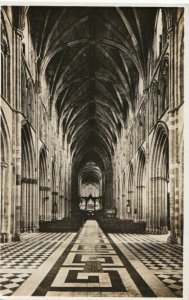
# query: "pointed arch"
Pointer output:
{"type": "Point", "coordinates": [43, 185]}
{"type": "Point", "coordinates": [28, 203]}
{"type": "Point", "coordinates": [159, 162]}
{"type": "Point", "coordinates": [141, 185]}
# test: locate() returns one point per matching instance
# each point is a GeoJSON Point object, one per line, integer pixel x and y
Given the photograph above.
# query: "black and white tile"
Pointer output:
{"type": "Point", "coordinates": [91, 263]}
{"type": "Point", "coordinates": [9, 282]}
{"type": "Point", "coordinates": [158, 256]}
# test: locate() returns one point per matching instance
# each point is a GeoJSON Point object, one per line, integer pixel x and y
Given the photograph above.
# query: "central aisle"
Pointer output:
{"type": "Point", "coordinates": [92, 268]}
{"type": "Point", "coordinates": [90, 263]}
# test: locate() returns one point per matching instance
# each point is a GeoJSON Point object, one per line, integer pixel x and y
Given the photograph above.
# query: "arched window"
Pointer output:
{"type": "Point", "coordinates": [159, 34]}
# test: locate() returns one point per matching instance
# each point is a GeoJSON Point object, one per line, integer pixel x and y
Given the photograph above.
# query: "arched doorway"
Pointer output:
{"type": "Point", "coordinates": [43, 186]}
{"type": "Point", "coordinates": [29, 218]}
{"type": "Point", "coordinates": [140, 186]}
{"type": "Point", "coordinates": [159, 161]}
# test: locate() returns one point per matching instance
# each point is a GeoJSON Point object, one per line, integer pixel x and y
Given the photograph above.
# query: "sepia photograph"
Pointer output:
{"type": "Point", "coordinates": [92, 151]}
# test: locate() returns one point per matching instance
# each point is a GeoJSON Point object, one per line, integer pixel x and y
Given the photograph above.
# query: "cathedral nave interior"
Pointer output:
{"type": "Point", "coordinates": [92, 151]}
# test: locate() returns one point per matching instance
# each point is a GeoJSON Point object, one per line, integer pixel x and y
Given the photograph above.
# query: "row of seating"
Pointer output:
{"type": "Point", "coordinates": [115, 225]}
{"type": "Point", "coordinates": [109, 225]}
{"type": "Point", "coordinates": [64, 225]}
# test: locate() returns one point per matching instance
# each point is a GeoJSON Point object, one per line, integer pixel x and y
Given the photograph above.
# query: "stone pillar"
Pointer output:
{"type": "Point", "coordinates": [158, 200]}
{"type": "Point", "coordinates": [148, 194]}
{"type": "Point", "coordinates": [35, 226]}
{"type": "Point", "coordinates": [2, 206]}
{"type": "Point", "coordinates": [17, 44]}
{"type": "Point", "coordinates": [23, 206]}
{"type": "Point", "coordinates": [123, 206]}
{"type": "Point", "coordinates": [5, 207]}
{"type": "Point", "coordinates": [7, 194]}
{"type": "Point", "coordinates": [18, 178]}
{"type": "Point", "coordinates": [152, 210]}
{"type": "Point", "coordinates": [163, 216]}
{"type": "Point", "coordinates": [41, 203]}
{"type": "Point", "coordinates": [173, 134]}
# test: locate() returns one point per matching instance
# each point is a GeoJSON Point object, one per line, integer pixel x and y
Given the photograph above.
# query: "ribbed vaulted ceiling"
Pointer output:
{"type": "Point", "coordinates": [92, 59]}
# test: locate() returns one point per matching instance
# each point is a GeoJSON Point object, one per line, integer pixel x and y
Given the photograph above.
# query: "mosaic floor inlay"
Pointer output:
{"type": "Point", "coordinates": [91, 263]}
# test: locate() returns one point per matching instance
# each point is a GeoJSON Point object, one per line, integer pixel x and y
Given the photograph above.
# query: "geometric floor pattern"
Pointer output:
{"type": "Point", "coordinates": [173, 282]}
{"type": "Point", "coordinates": [91, 263]}
{"type": "Point", "coordinates": [165, 259]}
{"type": "Point", "coordinates": [91, 266]}
{"type": "Point", "coordinates": [9, 282]}
{"type": "Point", "coordinates": [155, 255]}
{"type": "Point", "coordinates": [18, 260]}
{"type": "Point", "coordinates": [22, 256]}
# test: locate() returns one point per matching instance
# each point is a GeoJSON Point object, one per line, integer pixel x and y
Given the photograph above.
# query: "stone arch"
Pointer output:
{"type": "Point", "coordinates": [141, 185]}
{"type": "Point", "coordinates": [43, 185]}
{"type": "Point", "coordinates": [159, 162]}
{"type": "Point", "coordinates": [5, 206]}
{"type": "Point", "coordinates": [28, 181]}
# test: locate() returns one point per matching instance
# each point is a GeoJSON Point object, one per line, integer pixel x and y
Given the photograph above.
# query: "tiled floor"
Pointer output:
{"type": "Point", "coordinates": [19, 260]}
{"type": "Point", "coordinates": [91, 263]}
{"type": "Point", "coordinates": [164, 259]}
